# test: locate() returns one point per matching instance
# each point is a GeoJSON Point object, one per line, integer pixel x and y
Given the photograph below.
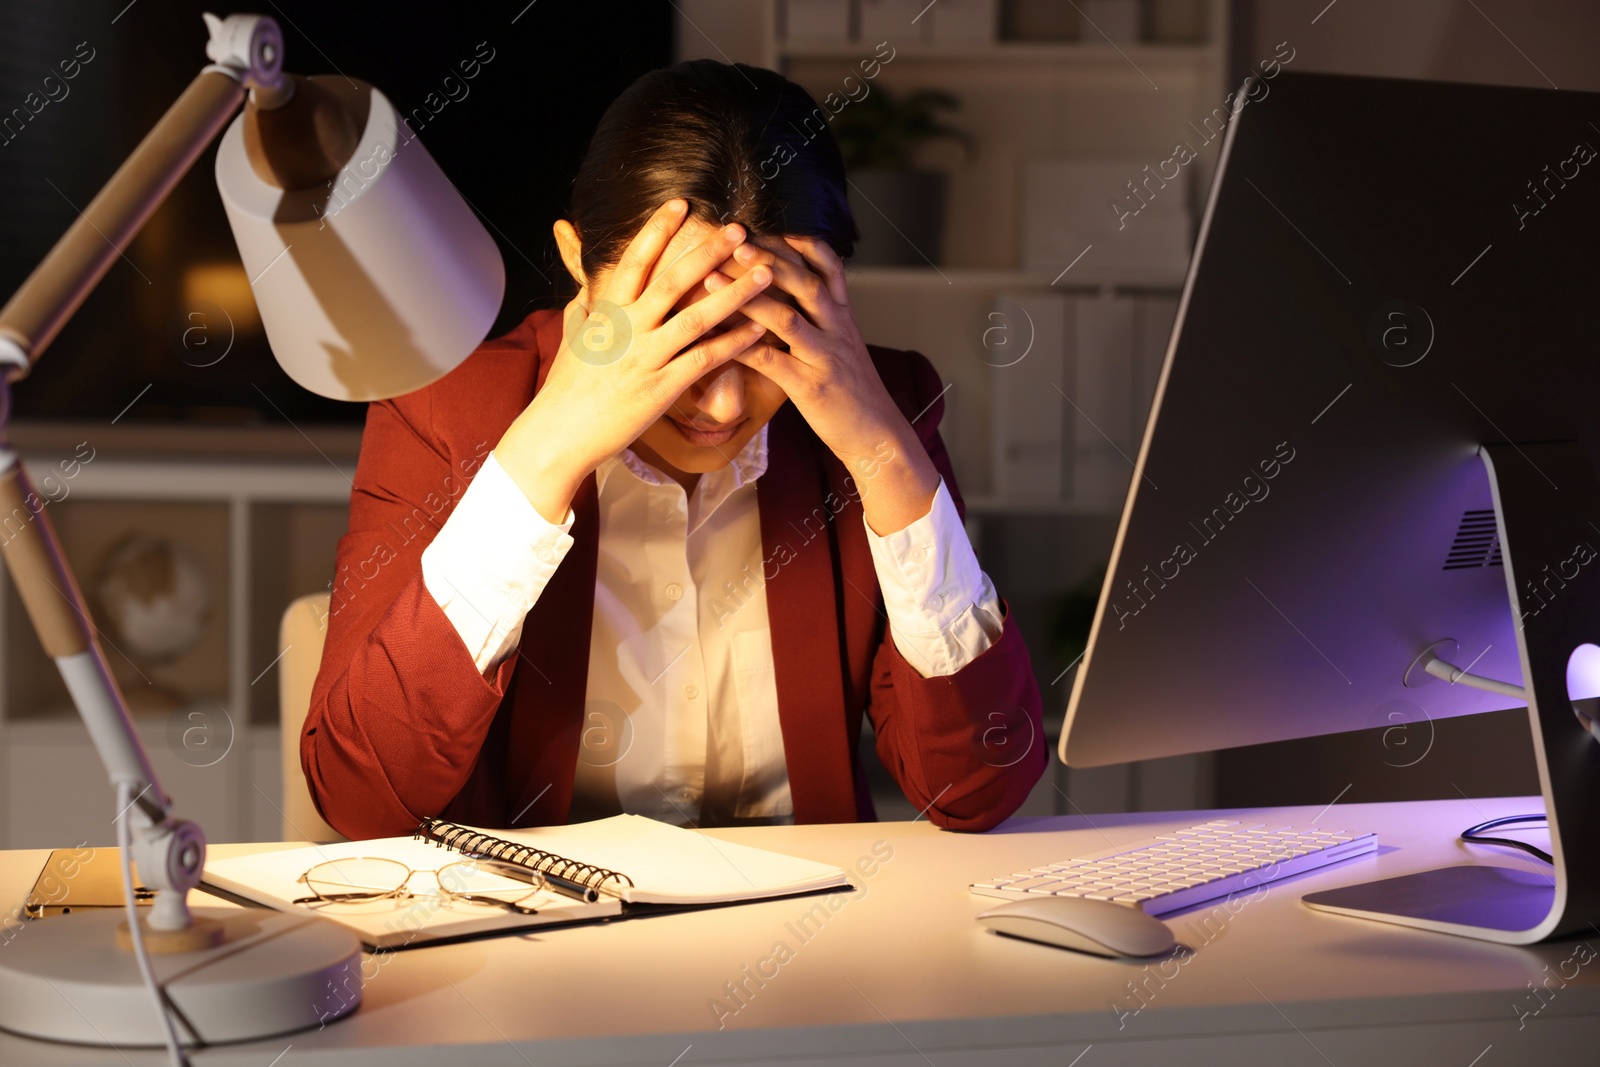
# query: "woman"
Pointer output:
{"type": "Point", "coordinates": [660, 551]}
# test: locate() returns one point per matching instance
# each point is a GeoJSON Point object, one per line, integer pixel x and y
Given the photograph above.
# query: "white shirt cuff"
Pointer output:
{"type": "Point", "coordinates": [491, 560]}
{"type": "Point", "coordinates": [943, 610]}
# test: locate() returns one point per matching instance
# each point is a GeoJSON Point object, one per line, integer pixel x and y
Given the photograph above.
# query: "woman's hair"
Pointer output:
{"type": "Point", "coordinates": [740, 143]}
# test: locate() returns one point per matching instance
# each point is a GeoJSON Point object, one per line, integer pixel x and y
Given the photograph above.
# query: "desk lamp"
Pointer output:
{"type": "Point", "coordinates": [373, 279]}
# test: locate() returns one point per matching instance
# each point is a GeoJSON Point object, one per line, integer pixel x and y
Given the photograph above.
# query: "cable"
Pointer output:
{"type": "Point", "coordinates": [125, 801]}
{"type": "Point", "coordinates": [1472, 835]}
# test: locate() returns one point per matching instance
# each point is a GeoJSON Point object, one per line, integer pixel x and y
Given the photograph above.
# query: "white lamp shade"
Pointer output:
{"type": "Point", "coordinates": [376, 285]}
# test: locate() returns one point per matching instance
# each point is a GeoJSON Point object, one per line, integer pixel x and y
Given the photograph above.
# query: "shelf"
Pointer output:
{"type": "Point", "coordinates": [1076, 52]}
{"type": "Point", "coordinates": [1010, 278]}
{"type": "Point", "coordinates": [60, 724]}
{"type": "Point", "coordinates": [993, 505]}
{"type": "Point", "coordinates": [157, 480]}
{"type": "Point", "coordinates": [307, 443]}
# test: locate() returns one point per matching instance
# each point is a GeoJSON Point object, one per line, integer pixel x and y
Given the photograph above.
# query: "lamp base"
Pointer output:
{"type": "Point", "coordinates": [65, 979]}
{"type": "Point", "coordinates": [199, 934]}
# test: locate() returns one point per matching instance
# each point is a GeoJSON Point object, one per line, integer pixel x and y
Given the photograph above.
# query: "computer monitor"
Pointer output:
{"type": "Point", "coordinates": [1374, 442]}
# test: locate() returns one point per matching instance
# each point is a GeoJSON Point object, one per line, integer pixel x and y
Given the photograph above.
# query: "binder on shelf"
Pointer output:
{"type": "Point", "coordinates": [1071, 384]}
{"type": "Point", "coordinates": [895, 21]}
{"type": "Point", "coordinates": [1116, 21]}
{"type": "Point", "coordinates": [966, 22]}
{"type": "Point", "coordinates": [1103, 429]}
{"type": "Point", "coordinates": [603, 869]}
{"type": "Point", "coordinates": [816, 21]}
{"type": "Point", "coordinates": [1024, 345]}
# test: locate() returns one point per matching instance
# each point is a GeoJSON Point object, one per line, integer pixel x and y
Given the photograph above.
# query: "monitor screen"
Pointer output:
{"type": "Point", "coordinates": [1388, 274]}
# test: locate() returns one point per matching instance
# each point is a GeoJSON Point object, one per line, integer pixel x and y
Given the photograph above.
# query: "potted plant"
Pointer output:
{"type": "Point", "coordinates": [898, 207]}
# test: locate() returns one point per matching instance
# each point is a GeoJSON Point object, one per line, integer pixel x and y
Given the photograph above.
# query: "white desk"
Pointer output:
{"type": "Point", "coordinates": [900, 974]}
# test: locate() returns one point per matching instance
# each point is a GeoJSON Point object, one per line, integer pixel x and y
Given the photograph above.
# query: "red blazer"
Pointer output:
{"type": "Point", "coordinates": [402, 725]}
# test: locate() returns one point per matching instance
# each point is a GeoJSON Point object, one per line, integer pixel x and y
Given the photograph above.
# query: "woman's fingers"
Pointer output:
{"type": "Point", "coordinates": [794, 276]}
{"type": "Point", "coordinates": [628, 277]}
{"type": "Point", "coordinates": [682, 329]}
{"type": "Point", "coordinates": [659, 297]}
{"type": "Point", "coordinates": [782, 367]}
{"type": "Point", "coordinates": [785, 320]}
{"type": "Point", "coordinates": [826, 262]}
{"type": "Point", "coordinates": [781, 246]}
{"type": "Point", "coordinates": [693, 363]}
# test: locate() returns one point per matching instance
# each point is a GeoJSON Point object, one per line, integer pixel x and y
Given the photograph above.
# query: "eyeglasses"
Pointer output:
{"type": "Point", "coordinates": [370, 878]}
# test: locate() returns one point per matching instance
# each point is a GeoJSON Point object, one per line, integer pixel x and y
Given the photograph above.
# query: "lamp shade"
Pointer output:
{"type": "Point", "coordinates": [376, 283]}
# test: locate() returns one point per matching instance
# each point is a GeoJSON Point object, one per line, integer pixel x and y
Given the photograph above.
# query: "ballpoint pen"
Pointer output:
{"type": "Point", "coordinates": [565, 886]}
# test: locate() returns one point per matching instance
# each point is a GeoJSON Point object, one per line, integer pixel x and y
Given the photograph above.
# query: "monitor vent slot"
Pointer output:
{"type": "Point", "coordinates": [1477, 542]}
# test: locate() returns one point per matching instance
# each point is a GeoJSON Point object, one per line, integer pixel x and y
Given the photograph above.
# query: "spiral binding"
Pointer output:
{"type": "Point", "coordinates": [472, 842]}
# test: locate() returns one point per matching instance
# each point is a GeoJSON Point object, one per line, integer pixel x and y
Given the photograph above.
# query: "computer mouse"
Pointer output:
{"type": "Point", "coordinates": [1095, 926]}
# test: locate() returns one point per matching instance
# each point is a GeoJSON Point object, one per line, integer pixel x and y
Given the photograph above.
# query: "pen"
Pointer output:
{"type": "Point", "coordinates": [565, 886]}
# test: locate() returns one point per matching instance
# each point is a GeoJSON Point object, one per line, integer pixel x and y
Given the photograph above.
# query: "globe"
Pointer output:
{"type": "Point", "coordinates": [154, 597]}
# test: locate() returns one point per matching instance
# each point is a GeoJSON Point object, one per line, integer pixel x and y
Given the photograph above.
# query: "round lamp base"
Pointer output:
{"type": "Point", "coordinates": [65, 979]}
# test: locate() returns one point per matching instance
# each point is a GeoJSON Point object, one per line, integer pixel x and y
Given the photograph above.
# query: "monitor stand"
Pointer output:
{"type": "Point", "coordinates": [1546, 505]}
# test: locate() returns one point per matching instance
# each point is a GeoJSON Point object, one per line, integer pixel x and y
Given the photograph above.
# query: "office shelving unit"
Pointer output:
{"type": "Point", "coordinates": [1024, 101]}
{"type": "Point", "coordinates": [263, 531]}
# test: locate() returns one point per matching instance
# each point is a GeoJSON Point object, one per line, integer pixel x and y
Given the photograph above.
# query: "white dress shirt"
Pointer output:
{"type": "Point", "coordinates": [681, 721]}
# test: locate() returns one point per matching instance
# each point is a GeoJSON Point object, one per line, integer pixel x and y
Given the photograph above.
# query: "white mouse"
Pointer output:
{"type": "Point", "coordinates": [1096, 926]}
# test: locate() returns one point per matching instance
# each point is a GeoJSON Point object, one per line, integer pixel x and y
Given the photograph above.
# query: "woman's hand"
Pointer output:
{"type": "Point", "coordinates": [623, 361]}
{"type": "Point", "coordinates": [830, 376]}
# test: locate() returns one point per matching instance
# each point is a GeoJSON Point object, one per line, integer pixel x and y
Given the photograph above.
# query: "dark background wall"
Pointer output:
{"type": "Point", "coordinates": [510, 138]}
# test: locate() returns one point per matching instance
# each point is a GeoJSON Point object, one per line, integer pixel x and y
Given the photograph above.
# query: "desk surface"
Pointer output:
{"type": "Point", "coordinates": [900, 973]}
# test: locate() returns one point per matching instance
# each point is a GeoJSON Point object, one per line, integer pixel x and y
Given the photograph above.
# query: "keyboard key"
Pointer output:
{"type": "Point", "coordinates": [1031, 884]}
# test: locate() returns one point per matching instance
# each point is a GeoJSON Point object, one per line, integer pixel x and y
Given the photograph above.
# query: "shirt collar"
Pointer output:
{"type": "Point", "coordinates": [746, 466]}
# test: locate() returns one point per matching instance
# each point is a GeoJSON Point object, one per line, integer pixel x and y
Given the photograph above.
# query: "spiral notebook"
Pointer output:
{"type": "Point", "coordinates": [595, 870]}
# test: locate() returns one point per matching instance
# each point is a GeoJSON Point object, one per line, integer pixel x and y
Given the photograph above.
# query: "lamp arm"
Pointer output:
{"type": "Point", "coordinates": [67, 274]}
{"type": "Point", "coordinates": [247, 53]}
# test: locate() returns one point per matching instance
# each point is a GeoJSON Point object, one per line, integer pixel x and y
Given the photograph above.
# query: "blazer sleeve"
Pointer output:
{"type": "Point", "coordinates": [970, 746]}
{"type": "Point", "coordinates": [399, 710]}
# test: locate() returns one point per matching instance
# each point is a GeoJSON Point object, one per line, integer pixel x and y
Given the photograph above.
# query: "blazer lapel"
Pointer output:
{"type": "Point", "coordinates": [552, 680]}
{"type": "Point", "coordinates": [797, 538]}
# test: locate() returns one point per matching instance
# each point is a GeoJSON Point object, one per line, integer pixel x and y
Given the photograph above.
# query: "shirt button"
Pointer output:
{"type": "Point", "coordinates": [674, 590]}
{"type": "Point", "coordinates": [691, 690]}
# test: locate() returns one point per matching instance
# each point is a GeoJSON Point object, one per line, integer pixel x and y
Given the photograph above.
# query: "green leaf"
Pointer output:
{"type": "Point", "coordinates": [881, 130]}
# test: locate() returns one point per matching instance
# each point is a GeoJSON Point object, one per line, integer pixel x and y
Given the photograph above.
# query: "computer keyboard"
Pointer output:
{"type": "Point", "coordinates": [1176, 870]}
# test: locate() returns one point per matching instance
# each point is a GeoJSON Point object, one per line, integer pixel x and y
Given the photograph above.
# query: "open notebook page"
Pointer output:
{"type": "Point", "coordinates": [672, 865]}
